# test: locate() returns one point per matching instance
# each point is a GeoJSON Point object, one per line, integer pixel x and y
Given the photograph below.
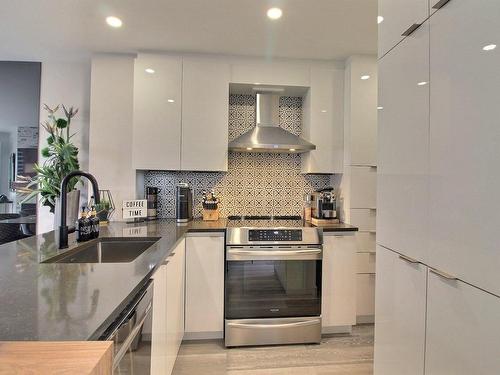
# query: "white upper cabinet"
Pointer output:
{"type": "Point", "coordinates": [205, 114]}
{"type": "Point", "coordinates": [400, 315]}
{"type": "Point", "coordinates": [402, 190]}
{"type": "Point", "coordinates": [463, 334]}
{"type": "Point", "coordinates": [399, 16]}
{"type": "Point", "coordinates": [270, 73]}
{"type": "Point", "coordinates": [465, 141]}
{"type": "Point", "coordinates": [157, 112]}
{"type": "Point", "coordinates": [322, 122]}
{"type": "Point", "coordinates": [360, 110]}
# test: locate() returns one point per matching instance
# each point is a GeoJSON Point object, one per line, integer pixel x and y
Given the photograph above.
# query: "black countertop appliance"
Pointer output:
{"type": "Point", "coordinates": [184, 203]}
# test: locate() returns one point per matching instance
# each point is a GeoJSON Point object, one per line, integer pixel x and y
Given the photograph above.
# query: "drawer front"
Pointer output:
{"type": "Point", "coordinates": [363, 187]}
{"type": "Point", "coordinates": [365, 263]}
{"type": "Point", "coordinates": [365, 293]}
{"type": "Point", "coordinates": [365, 242]}
{"type": "Point", "coordinates": [363, 218]}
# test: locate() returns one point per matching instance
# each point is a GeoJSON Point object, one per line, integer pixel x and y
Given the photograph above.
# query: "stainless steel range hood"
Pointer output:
{"type": "Point", "coordinates": [267, 136]}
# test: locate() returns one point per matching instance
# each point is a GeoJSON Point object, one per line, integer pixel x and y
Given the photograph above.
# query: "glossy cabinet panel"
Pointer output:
{"type": "Point", "coordinates": [360, 110]}
{"type": "Point", "coordinates": [338, 305]}
{"type": "Point", "coordinates": [205, 286]}
{"type": "Point", "coordinates": [365, 297]}
{"type": "Point", "coordinates": [463, 334]}
{"type": "Point", "coordinates": [363, 187]}
{"type": "Point", "coordinates": [157, 112]}
{"type": "Point", "coordinates": [465, 139]}
{"type": "Point", "coordinates": [402, 191]}
{"type": "Point", "coordinates": [365, 262]}
{"type": "Point", "coordinates": [365, 242]}
{"type": "Point", "coordinates": [399, 16]}
{"type": "Point", "coordinates": [322, 123]}
{"type": "Point", "coordinates": [363, 218]}
{"type": "Point", "coordinates": [205, 115]}
{"type": "Point", "coordinates": [400, 310]}
{"type": "Point", "coordinates": [159, 324]}
{"type": "Point", "coordinates": [175, 304]}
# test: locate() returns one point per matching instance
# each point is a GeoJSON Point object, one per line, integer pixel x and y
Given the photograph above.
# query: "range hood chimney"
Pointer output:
{"type": "Point", "coordinates": [267, 136]}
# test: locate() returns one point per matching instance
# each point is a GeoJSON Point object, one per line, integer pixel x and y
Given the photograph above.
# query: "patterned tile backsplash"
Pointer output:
{"type": "Point", "coordinates": [255, 184]}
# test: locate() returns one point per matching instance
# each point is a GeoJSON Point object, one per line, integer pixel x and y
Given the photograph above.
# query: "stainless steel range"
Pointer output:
{"type": "Point", "coordinates": [273, 282]}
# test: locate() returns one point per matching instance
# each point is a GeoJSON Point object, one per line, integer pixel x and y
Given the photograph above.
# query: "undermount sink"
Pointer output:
{"type": "Point", "coordinates": [106, 250]}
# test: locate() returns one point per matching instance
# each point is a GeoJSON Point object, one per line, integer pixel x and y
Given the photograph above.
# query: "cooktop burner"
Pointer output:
{"type": "Point", "coordinates": [264, 217]}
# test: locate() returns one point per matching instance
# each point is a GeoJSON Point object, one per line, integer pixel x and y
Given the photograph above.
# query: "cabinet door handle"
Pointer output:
{"type": "Point", "coordinates": [408, 259]}
{"type": "Point", "coordinates": [440, 4]}
{"type": "Point", "coordinates": [442, 274]}
{"type": "Point", "coordinates": [411, 29]}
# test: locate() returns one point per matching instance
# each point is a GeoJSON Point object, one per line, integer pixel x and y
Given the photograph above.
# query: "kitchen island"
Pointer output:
{"type": "Point", "coordinates": [77, 302]}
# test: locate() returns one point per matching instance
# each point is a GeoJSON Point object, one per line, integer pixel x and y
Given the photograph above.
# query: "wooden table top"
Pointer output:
{"type": "Point", "coordinates": [61, 357]}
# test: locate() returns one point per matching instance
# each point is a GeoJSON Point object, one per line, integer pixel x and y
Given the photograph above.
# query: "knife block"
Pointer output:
{"type": "Point", "coordinates": [210, 215]}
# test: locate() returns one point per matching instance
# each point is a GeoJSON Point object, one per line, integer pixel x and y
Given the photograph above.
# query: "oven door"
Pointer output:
{"type": "Point", "coordinates": [264, 282]}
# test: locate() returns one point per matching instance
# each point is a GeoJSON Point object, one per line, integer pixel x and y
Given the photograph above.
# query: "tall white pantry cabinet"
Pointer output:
{"type": "Point", "coordinates": [438, 285]}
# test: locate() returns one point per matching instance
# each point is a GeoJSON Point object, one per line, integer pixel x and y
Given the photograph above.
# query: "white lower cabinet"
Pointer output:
{"type": "Point", "coordinates": [463, 333]}
{"type": "Point", "coordinates": [175, 304]}
{"type": "Point", "coordinates": [400, 315]}
{"type": "Point", "coordinates": [168, 312]}
{"type": "Point", "coordinates": [205, 286]}
{"type": "Point", "coordinates": [338, 305]}
{"type": "Point", "coordinates": [159, 323]}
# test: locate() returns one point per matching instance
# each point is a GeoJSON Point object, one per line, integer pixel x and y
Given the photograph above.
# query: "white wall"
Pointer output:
{"type": "Point", "coordinates": [111, 120]}
{"type": "Point", "coordinates": [66, 83]}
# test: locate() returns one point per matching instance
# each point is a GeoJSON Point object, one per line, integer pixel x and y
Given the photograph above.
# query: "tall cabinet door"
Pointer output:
{"type": "Point", "coordinates": [205, 286]}
{"type": "Point", "coordinates": [338, 302]}
{"type": "Point", "coordinates": [463, 334]}
{"type": "Point", "coordinates": [159, 323]}
{"type": "Point", "coordinates": [205, 115]}
{"type": "Point", "coordinates": [157, 112]}
{"type": "Point", "coordinates": [465, 139]}
{"type": "Point", "coordinates": [402, 198]}
{"type": "Point", "coordinates": [399, 16]}
{"type": "Point", "coordinates": [400, 305]}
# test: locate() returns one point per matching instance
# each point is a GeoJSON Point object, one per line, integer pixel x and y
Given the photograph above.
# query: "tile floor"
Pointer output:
{"type": "Point", "coordinates": [337, 355]}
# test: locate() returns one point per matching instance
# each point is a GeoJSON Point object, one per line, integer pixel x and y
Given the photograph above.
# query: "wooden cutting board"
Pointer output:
{"type": "Point", "coordinates": [324, 222]}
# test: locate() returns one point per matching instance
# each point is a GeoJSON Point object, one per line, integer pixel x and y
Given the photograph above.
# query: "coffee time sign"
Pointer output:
{"type": "Point", "coordinates": [135, 209]}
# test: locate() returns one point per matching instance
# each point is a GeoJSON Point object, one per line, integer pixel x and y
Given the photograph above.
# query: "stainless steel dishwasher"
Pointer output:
{"type": "Point", "coordinates": [132, 354]}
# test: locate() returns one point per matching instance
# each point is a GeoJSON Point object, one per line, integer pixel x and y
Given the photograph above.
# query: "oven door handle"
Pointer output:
{"type": "Point", "coordinates": [279, 325]}
{"type": "Point", "coordinates": [233, 254]}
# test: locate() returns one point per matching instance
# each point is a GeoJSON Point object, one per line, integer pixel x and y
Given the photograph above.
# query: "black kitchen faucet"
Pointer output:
{"type": "Point", "coordinates": [63, 228]}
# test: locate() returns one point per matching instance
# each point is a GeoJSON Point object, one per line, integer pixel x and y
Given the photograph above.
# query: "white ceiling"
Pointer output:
{"type": "Point", "coordinates": [311, 29]}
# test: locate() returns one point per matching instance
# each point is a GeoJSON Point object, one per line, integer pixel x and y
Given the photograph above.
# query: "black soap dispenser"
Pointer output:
{"type": "Point", "coordinates": [94, 223]}
{"type": "Point", "coordinates": [83, 227]}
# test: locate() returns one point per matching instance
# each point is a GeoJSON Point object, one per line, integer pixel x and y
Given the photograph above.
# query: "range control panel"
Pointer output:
{"type": "Point", "coordinates": [272, 235]}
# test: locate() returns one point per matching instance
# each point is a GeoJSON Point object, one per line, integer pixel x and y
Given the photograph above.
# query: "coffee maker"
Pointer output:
{"type": "Point", "coordinates": [324, 204]}
{"type": "Point", "coordinates": [184, 203]}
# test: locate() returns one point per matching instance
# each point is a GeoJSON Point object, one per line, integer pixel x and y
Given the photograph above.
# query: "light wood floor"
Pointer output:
{"type": "Point", "coordinates": [336, 355]}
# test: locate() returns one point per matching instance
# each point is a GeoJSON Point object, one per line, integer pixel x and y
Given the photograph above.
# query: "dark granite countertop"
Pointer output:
{"type": "Point", "coordinates": [69, 302]}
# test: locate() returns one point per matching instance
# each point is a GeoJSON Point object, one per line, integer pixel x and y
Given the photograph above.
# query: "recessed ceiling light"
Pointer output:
{"type": "Point", "coordinates": [423, 83]}
{"type": "Point", "coordinates": [323, 111]}
{"type": "Point", "coordinates": [489, 47]}
{"type": "Point", "coordinates": [291, 149]}
{"type": "Point", "coordinates": [149, 70]}
{"type": "Point", "coordinates": [114, 21]}
{"type": "Point", "coordinates": [249, 148]}
{"type": "Point", "coordinates": [365, 77]}
{"type": "Point", "coordinates": [380, 19]}
{"type": "Point", "coordinates": [380, 107]}
{"type": "Point", "coordinates": [274, 13]}
{"type": "Point", "coordinates": [256, 83]}
{"type": "Point", "coordinates": [170, 100]}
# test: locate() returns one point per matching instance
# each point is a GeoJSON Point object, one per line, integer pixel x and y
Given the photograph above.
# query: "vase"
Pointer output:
{"type": "Point", "coordinates": [72, 209]}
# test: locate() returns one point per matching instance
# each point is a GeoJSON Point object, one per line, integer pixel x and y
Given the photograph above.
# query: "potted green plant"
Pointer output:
{"type": "Point", "coordinates": [60, 158]}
